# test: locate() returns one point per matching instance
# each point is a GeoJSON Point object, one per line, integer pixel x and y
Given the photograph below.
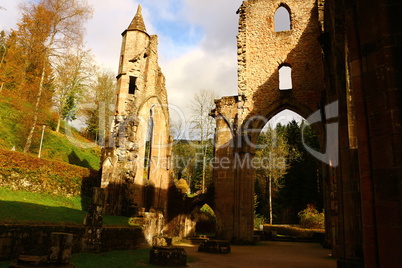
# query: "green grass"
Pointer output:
{"type": "Point", "coordinates": [56, 146]}
{"type": "Point", "coordinates": [9, 125]}
{"type": "Point", "coordinates": [27, 208]}
{"type": "Point", "coordinates": [4, 264]}
{"type": "Point", "coordinates": [115, 259]}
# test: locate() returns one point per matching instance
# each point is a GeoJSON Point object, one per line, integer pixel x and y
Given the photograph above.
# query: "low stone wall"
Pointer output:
{"type": "Point", "coordinates": [283, 232]}
{"type": "Point", "coordinates": [114, 238]}
{"type": "Point", "coordinates": [35, 239]}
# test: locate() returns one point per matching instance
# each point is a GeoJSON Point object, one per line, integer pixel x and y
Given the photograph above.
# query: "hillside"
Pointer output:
{"type": "Point", "coordinates": [75, 150]}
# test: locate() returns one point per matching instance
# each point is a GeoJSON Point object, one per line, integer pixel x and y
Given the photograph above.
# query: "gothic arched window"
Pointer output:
{"type": "Point", "coordinates": [285, 77]}
{"type": "Point", "coordinates": [282, 19]}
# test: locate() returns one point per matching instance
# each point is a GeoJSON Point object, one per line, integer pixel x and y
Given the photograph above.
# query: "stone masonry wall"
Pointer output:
{"type": "Point", "coordinates": [35, 239]}
{"type": "Point", "coordinates": [261, 52]}
{"type": "Point", "coordinates": [135, 164]}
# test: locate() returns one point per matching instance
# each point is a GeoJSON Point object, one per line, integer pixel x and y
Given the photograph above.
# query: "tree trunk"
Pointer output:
{"type": "Point", "coordinates": [35, 119]}
{"type": "Point", "coordinates": [58, 124]}
{"type": "Point", "coordinates": [270, 198]}
{"type": "Point", "coordinates": [204, 160]}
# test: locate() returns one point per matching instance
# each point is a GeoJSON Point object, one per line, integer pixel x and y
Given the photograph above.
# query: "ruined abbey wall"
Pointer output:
{"type": "Point", "coordinates": [262, 51]}
{"type": "Point", "coordinates": [341, 52]}
{"type": "Point", "coordinates": [136, 161]}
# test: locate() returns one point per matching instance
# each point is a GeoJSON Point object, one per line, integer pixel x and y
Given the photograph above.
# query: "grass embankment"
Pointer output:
{"type": "Point", "coordinates": [66, 146]}
{"type": "Point", "coordinates": [40, 191]}
{"type": "Point", "coordinates": [21, 207]}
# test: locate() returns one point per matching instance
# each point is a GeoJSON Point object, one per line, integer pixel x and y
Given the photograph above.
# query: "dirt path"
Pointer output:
{"type": "Point", "coordinates": [266, 254]}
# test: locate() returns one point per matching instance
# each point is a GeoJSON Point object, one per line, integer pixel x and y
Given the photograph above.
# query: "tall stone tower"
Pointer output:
{"type": "Point", "coordinates": [136, 158]}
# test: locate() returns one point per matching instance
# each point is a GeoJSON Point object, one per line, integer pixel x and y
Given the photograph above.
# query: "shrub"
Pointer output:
{"type": "Point", "coordinates": [258, 221]}
{"type": "Point", "coordinates": [182, 186]}
{"type": "Point", "coordinates": [312, 219]}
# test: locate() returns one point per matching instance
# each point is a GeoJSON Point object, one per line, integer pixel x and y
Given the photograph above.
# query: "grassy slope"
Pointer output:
{"type": "Point", "coordinates": [25, 207]}
{"type": "Point", "coordinates": [56, 146]}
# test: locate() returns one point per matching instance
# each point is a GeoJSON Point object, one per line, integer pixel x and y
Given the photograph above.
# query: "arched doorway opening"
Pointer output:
{"type": "Point", "coordinates": [288, 184]}
{"type": "Point", "coordinates": [205, 219]}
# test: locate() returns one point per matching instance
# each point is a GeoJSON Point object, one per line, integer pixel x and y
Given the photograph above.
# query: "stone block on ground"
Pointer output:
{"type": "Point", "coordinates": [215, 246]}
{"type": "Point", "coordinates": [168, 256]}
{"type": "Point", "coordinates": [26, 261]}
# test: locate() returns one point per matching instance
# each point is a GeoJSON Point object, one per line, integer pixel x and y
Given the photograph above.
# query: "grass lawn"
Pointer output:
{"type": "Point", "coordinates": [56, 146]}
{"type": "Point", "coordinates": [112, 259]}
{"type": "Point", "coordinates": [25, 207]}
{"type": "Point", "coordinates": [115, 259]}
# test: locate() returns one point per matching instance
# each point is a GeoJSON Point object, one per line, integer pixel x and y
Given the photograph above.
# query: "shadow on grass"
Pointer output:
{"type": "Point", "coordinates": [74, 159]}
{"type": "Point", "coordinates": [13, 212]}
{"type": "Point", "coordinates": [116, 259]}
{"type": "Point", "coordinates": [123, 259]}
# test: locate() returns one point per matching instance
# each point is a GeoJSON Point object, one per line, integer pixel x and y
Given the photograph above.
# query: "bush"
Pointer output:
{"type": "Point", "coordinates": [258, 221]}
{"type": "Point", "coordinates": [182, 186]}
{"type": "Point", "coordinates": [310, 218]}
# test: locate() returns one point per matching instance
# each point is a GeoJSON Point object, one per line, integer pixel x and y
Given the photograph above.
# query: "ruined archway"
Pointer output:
{"type": "Point", "coordinates": [288, 179]}
{"type": "Point", "coordinates": [262, 52]}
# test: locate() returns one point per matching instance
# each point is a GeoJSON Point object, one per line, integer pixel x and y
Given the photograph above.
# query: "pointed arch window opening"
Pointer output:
{"type": "Point", "coordinates": [148, 144]}
{"type": "Point", "coordinates": [285, 77]}
{"type": "Point", "coordinates": [282, 19]}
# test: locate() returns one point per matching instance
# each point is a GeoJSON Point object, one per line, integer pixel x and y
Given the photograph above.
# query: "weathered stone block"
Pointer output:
{"type": "Point", "coordinates": [168, 256]}
{"type": "Point", "coordinates": [61, 247]}
{"type": "Point", "coordinates": [215, 246]}
{"type": "Point", "coordinates": [161, 241]}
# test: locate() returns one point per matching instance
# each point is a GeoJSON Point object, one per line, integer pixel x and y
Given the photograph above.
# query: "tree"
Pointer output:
{"type": "Point", "coordinates": [3, 51]}
{"type": "Point", "coordinates": [275, 156]}
{"type": "Point", "coordinates": [184, 161]}
{"type": "Point", "coordinates": [72, 75]}
{"type": "Point", "coordinates": [302, 181]}
{"type": "Point", "coordinates": [49, 28]}
{"type": "Point", "coordinates": [203, 126]}
{"type": "Point", "coordinates": [99, 105]}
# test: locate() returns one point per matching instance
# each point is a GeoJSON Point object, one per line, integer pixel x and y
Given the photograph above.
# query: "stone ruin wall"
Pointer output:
{"type": "Point", "coordinates": [124, 172]}
{"type": "Point", "coordinates": [261, 51]}
{"type": "Point", "coordinates": [137, 177]}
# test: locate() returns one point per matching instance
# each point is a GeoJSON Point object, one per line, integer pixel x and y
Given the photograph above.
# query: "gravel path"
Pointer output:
{"type": "Point", "coordinates": [266, 254]}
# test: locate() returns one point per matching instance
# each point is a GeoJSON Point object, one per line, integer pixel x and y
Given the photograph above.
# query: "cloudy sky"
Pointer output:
{"type": "Point", "coordinates": [197, 40]}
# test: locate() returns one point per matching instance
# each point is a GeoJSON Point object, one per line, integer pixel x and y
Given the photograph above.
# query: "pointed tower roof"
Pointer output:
{"type": "Point", "coordinates": [138, 22]}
